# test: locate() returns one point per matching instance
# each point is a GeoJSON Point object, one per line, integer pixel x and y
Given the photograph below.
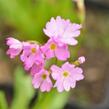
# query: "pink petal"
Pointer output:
{"type": "Point", "coordinates": [78, 70]}
{"type": "Point", "coordinates": [62, 53]}
{"type": "Point", "coordinates": [67, 66]}
{"type": "Point", "coordinates": [46, 50]}
{"type": "Point", "coordinates": [66, 84]}
{"type": "Point", "coordinates": [49, 54]}
{"type": "Point", "coordinates": [29, 62]}
{"type": "Point", "coordinates": [36, 81]}
{"type": "Point", "coordinates": [76, 26]}
{"type": "Point", "coordinates": [56, 71]}
{"type": "Point", "coordinates": [13, 52]}
{"type": "Point", "coordinates": [59, 85]}
{"type": "Point", "coordinates": [46, 86]}
{"type": "Point", "coordinates": [70, 41]}
{"type": "Point", "coordinates": [23, 57]}
{"type": "Point", "coordinates": [73, 84]}
{"type": "Point", "coordinates": [76, 33]}
{"type": "Point", "coordinates": [77, 74]}
{"type": "Point", "coordinates": [36, 68]}
{"type": "Point", "coordinates": [78, 77]}
{"type": "Point", "coordinates": [11, 41]}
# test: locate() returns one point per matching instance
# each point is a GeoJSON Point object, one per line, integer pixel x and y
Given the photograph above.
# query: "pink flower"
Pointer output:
{"type": "Point", "coordinates": [66, 76]}
{"type": "Point", "coordinates": [31, 55]}
{"type": "Point", "coordinates": [42, 80]}
{"type": "Point", "coordinates": [15, 47]}
{"type": "Point", "coordinates": [81, 59]}
{"type": "Point", "coordinates": [52, 49]}
{"type": "Point", "coordinates": [62, 30]}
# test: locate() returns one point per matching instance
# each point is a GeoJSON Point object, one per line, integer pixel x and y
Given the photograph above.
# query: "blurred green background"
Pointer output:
{"type": "Point", "coordinates": [25, 20]}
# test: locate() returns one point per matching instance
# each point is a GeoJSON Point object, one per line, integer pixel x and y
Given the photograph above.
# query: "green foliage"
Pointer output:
{"type": "Point", "coordinates": [3, 102]}
{"type": "Point", "coordinates": [51, 100]}
{"type": "Point", "coordinates": [23, 90]}
{"type": "Point", "coordinates": [29, 17]}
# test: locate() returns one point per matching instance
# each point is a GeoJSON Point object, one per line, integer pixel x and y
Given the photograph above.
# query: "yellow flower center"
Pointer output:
{"type": "Point", "coordinates": [65, 73]}
{"type": "Point", "coordinates": [44, 76]}
{"type": "Point", "coordinates": [53, 46]}
{"type": "Point", "coordinates": [33, 50]}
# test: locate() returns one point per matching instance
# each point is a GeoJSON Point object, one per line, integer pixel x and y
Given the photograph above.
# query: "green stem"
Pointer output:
{"type": "Point", "coordinates": [51, 100]}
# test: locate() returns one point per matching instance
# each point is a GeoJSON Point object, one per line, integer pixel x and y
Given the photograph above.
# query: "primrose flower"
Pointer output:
{"type": "Point", "coordinates": [62, 30]}
{"type": "Point", "coordinates": [31, 55]}
{"type": "Point", "coordinates": [66, 76]}
{"type": "Point", "coordinates": [52, 49]}
{"type": "Point", "coordinates": [15, 47]}
{"type": "Point", "coordinates": [61, 33]}
{"type": "Point", "coordinates": [42, 80]}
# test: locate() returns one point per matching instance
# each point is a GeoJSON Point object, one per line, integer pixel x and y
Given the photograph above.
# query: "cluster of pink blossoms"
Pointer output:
{"type": "Point", "coordinates": [61, 33]}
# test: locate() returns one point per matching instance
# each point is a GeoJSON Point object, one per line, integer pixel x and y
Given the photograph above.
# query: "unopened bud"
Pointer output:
{"type": "Point", "coordinates": [81, 59]}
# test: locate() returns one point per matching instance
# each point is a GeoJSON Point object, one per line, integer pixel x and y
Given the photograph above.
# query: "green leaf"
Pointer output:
{"type": "Point", "coordinates": [23, 90]}
{"type": "Point", "coordinates": [3, 102]}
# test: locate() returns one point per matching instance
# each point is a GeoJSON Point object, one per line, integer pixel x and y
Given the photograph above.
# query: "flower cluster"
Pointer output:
{"type": "Point", "coordinates": [61, 33]}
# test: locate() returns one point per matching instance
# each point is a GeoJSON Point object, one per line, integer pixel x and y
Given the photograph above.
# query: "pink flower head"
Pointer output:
{"type": "Point", "coordinates": [52, 49]}
{"type": "Point", "coordinates": [42, 80]}
{"type": "Point", "coordinates": [15, 47]}
{"type": "Point", "coordinates": [66, 76]}
{"type": "Point", "coordinates": [81, 59]}
{"type": "Point", "coordinates": [31, 55]}
{"type": "Point", "coordinates": [62, 30]}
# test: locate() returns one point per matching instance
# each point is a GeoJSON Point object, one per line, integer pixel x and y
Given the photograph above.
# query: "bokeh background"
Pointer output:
{"type": "Point", "coordinates": [25, 19]}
